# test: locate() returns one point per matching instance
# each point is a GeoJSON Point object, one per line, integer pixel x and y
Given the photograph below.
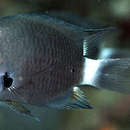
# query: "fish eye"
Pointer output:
{"type": "Point", "coordinates": [7, 81]}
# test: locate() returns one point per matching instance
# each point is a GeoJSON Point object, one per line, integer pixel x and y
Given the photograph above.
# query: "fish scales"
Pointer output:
{"type": "Point", "coordinates": [47, 60]}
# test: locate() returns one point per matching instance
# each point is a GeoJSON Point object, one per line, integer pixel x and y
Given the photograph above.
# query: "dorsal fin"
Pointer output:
{"type": "Point", "coordinates": [91, 43]}
{"type": "Point", "coordinates": [72, 31]}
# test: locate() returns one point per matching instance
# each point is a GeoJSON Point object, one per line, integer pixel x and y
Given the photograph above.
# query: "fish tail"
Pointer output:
{"type": "Point", "coordinates": [111, 74]}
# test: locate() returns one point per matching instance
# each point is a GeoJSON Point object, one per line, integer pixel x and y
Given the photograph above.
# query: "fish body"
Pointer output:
{"type": "Point", "coordinates": [44, 62]}
{"type": "Point", "coordinates": [47, 60]}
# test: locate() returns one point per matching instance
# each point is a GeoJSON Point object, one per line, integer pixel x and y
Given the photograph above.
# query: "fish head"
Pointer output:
{"type": "Point", "coordinates": [8, 85]}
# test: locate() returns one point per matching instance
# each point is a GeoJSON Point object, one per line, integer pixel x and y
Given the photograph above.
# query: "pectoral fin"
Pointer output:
{"type": "Point", "coordinates": [20, 108]}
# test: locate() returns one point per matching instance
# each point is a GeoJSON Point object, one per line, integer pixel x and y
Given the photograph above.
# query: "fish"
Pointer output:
{"type": "Point", "coordinates": [44, 62]}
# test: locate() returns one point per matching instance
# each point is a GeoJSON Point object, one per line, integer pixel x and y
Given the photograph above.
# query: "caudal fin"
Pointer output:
{"type": "Point", "coordinates": [112, 74]}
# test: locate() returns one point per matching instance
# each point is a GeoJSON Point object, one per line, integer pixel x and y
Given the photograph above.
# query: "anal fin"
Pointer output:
{"type": "Point", "coordinates": [77, 100]}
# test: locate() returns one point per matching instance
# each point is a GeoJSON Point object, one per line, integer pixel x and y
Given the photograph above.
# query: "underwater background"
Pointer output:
{"type": "Point", "coordinates": [111, 109]}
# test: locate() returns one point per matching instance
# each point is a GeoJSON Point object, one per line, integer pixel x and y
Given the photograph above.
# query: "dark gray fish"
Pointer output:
{"type": "Point", "coordinates": [44, 61]}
